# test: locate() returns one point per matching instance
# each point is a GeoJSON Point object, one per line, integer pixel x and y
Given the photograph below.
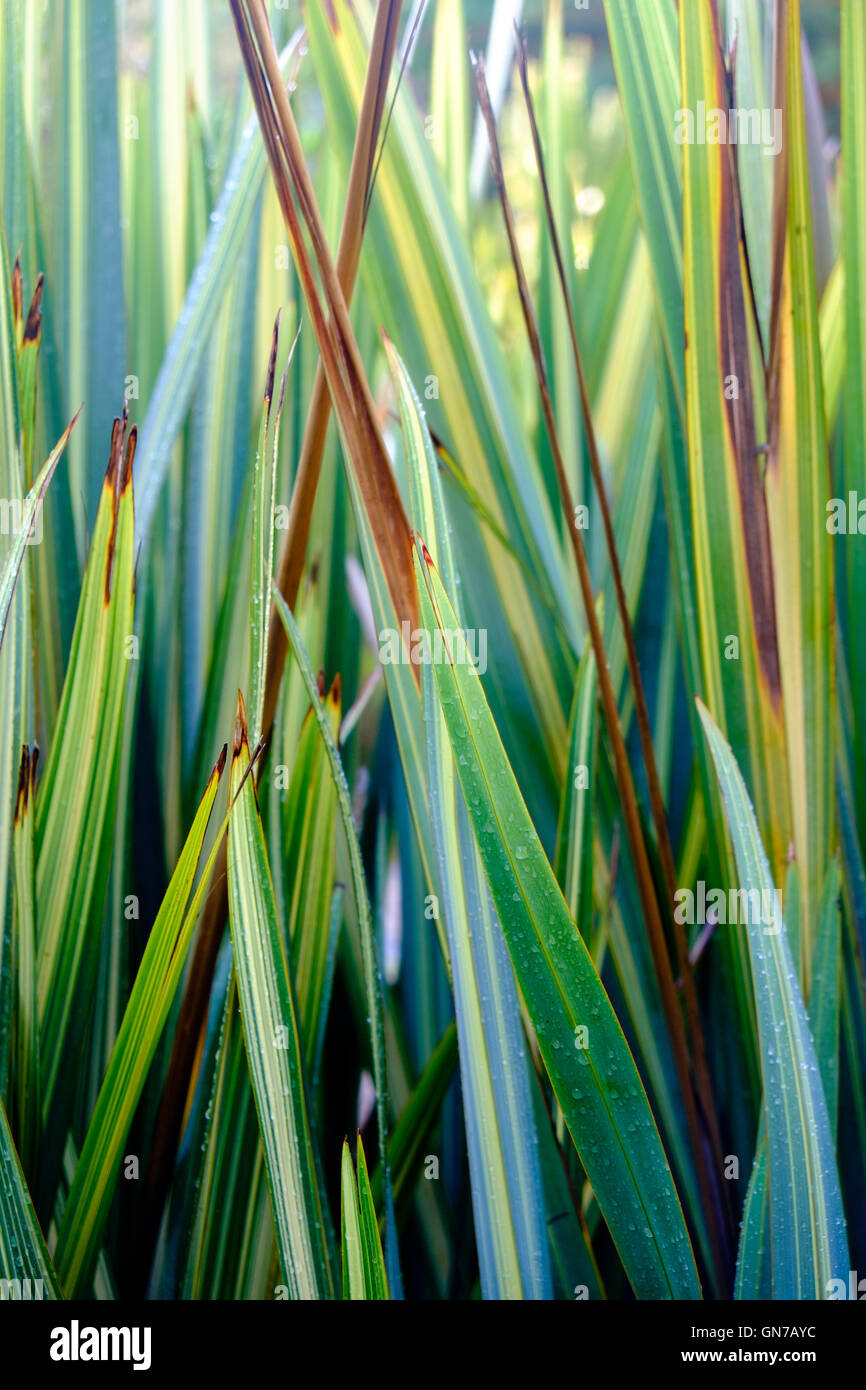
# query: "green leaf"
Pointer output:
{"type": "Point", "coordinates": [644, 43]}
{"type": "Point", "coordinates": [13, 561]}
{"type": "Point", "coordinates": [573, 860]}
{"type": "Point", "coordinates": [825, 999]}
{"type": "Point", "coordinates": [354, 1280]}
{"type": "Point", "coordinates": [262, 549]}
{"type": "Point", "coordinates": [310, 860]}
{"type": "Point", "coordinates": [372, 974]}
{"type": "Point", "coordinates": [807, 1225]}
{"type": "Point", "coordinates": [374, 1260]}
{"type": "Point", "coordinates": [15, 685]}
{"type": "Point", "coordinates": [749, 34]}
{"type": "Point", "coordinates": [271, 1038]}
{"type": "Point", "coordinates": [449, 103]}
{"type": "Point", "coordinates": [507, 1193]}
{"type": "Point", "coordinates": [28, 1100]}
{"type": "Point", "coordinates": [87, 1206]}
{"type": "Point", "coordinates": [418, 274]}
{"type": "Point", "coordinates": [23, 1252]}
{"type": "Point", "coordinates": [86, 236]}
{"type": "Point", "coordinates": [592, 1072]}
{"type": "Point", "coordinates": [363, 1261]}
{"type": "Point", "coordinates": [226, 1190]}
{"type": "Point", "coordinates": [797, 486]}
{"type": "Point", "coordinates": [216, 265]}
{"type": "Point", "coordinates": [753, 1262]}
{"type": "Point", "coordinates": [731, 531]}
{"type": "Point", "coordinates": [75, 804]}
{"type": "Point", "coordinates": [854, 471]}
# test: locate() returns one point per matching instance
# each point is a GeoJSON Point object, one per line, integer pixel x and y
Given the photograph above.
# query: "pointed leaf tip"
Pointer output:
{"type": "Point", "coordinates": [23, 785]}
{"type": "Point", "coordinates": [425, 553]}
{"type": "Point", "coordinates": [33, 326]}
{"type": "Point", "coordinates": [128, 458]}
{"type": "Point", "coordinates": [240, 738]}
{"type": "Point", "coordinates": [17, 294]}
{"type": "Point", "coordinates": [272, 365]}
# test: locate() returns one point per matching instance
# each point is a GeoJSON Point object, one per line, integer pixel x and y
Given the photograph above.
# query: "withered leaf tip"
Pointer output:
{"type": "Point", "coordinates": [33, 326]}
{"type": "Point", "coordinates": [23, 784]}
{"type": "Point", "coordinates": [240, 737]}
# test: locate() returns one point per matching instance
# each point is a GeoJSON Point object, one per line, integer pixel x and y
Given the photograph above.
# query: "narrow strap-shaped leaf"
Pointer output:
{"type": "Point", "coordinates": [271, 1038]}
{"type": "Point", "coordinates": [363, 1261]}
{"type": "Point", "coordinates": [749, 39]}
{"type": "Point", "coordinates": [75, 803]}
{"type": "Point", "coordinates": [262, 549]}
{"type": "Point", "coordinates": [581, 1042]}
{"type": "Point", "coordinates": [86, 235]}
{"type": "Point", "coordinates": [374, 1260]}
{"type": "Point", "coordinates": [573, 859]}
{"type": "Point", "coordinates": [216, 265]}
{"type": "Point", "coordinates": [372, 973]}
{"type": "Point", "coordinates": [854, 286]}
{"type": "Point", "coordinates": [825, 1000]}
{"type": "Point", "coordinates": [28, 1100]}
{"type": "Point", "coordinates": [807, 1223]}
{"type": "Point", "coordinates": [354, 1282]}
{"type": "Point", "coordinates": [797, 485]}
{"type": "Point", "coordinates": [507, 1194]}
{"type": "Point", "coordinates": [15, 664]}
{"type": "Point", "coordinates": [310, 863]}
{"type": "Point", "coordinates": [87, 1205]}
{"type": "Point", "coordinates": [26, 1270]}
{"type": "Point", "coordinates": [449, 102]}
{"type": "Point", "coordinates": [735, 579]}
{"type": "Point", "coordinates": [643, 40]}
{"type": "Point", "coordinates": [24, 531]}
{"type": "Point", "coordinates": [753, 1257]}
{"type": "Point", "coordinates": [422, 284]}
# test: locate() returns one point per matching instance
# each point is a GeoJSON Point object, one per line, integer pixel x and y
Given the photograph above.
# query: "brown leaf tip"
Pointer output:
{"type": "Point", "coordinates": [115, 452]}
{"type": "Point", "coordinates": [33, 326]}
{"type": "Point", "coordinates": [272, 364]}
{"type": "Point", "coordinates": [128, 458]}
{"type": "Point", "coordinates": [221, 760]}
{"type": "Point", "coordinates": [425, 553]}
{"type": "Point", "coordinates": [23, 792]}
{"type": "Point", "coordinates": [240, 738]}
{"type": "Point", "coordinates": [320, 684]}
{"type": "Point", "coordinates": [116, 481]}
{"type": "Point", "coordinates": [336, 695]}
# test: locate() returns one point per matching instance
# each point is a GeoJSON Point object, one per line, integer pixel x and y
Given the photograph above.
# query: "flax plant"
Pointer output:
{"type": "Point", "coordinates": [417, 593]}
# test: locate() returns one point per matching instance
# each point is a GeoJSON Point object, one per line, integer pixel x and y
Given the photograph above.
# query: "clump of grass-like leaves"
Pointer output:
{"type": "Point", "coordinates": [367, 741]}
